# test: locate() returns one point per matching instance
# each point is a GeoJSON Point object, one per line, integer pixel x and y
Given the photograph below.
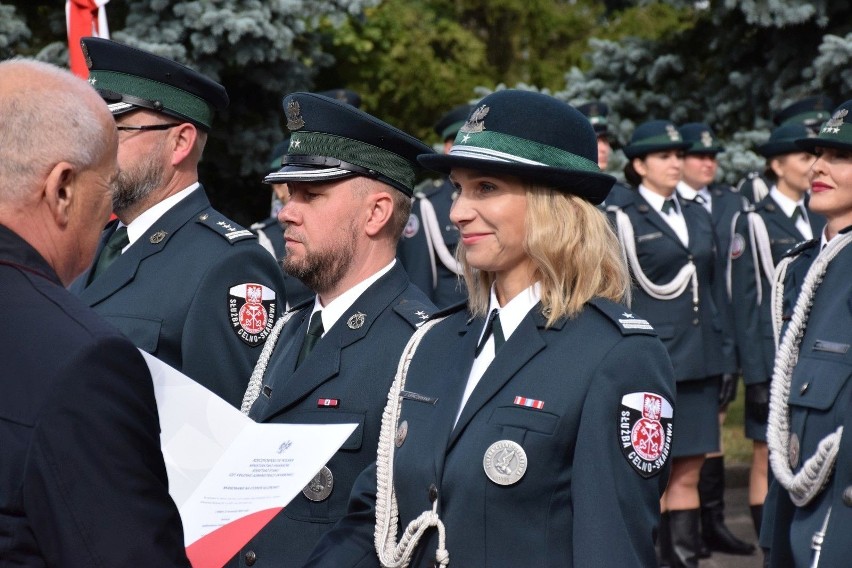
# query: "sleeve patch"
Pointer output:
{"type": "Point", "coordinates": [252, 310]}
{"type": "Point", "coordinates": [645, 426]}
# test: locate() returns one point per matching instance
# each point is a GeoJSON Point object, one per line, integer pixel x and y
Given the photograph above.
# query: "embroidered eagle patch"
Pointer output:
{"type": "Point", "coordinates": [252, 311]}
{"type": "Point", "coordinates": [645, 431]}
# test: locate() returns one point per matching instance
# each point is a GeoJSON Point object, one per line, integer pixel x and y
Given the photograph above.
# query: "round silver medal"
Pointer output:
{"type": "Point", "coordinates": [794, 450]}
{"type": "Point", "coordinates": [401, 433]}
{"type": "Point", "coordinates": [505, 462]}
{"type": "Point", "coordinates": [320, 486]}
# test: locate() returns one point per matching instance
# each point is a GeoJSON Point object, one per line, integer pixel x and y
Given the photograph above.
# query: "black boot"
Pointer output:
{"type": "Point", "coordinates": [664, 542]}
{"type": "Point", "coordinates": [711, 489]}
{"type": "Point", "coordinates": [683, 526]}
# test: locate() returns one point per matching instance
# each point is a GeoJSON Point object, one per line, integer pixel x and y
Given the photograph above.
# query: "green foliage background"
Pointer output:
{"type": "Point", "coordinates": [729, 63]}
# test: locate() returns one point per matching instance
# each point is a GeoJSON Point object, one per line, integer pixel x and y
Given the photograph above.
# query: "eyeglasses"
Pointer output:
{"type": "Point", "coordinates": [148, 127]}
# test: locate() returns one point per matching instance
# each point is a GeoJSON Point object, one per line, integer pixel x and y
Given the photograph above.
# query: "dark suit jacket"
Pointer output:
{"type": "Point", "coordinates": [82, 479]}
{"type": "Point", "coordinates": [820, 400]}
{"type": "Point", "coordinates": [580, 501]}
{"type": "Point", "coordinates": [753, 321]}
{"type": "Point", "coordinates": [172, 295]}
{"type": "Point", "coordinates": [699, 338]}
{"type": "Point", "coordinates": [353, 365]}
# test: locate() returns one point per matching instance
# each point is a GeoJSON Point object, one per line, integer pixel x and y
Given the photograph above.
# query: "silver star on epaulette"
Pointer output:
{"type": "Point", "coordinates": [629, 316]}
{"type": "Point", "coordinates": [421, 314]}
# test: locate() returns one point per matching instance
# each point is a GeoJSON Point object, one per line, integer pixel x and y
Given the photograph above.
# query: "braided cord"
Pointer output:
{"type": "Point", "coordinates": [761, 252]}
{"type": "Point", "coordinates": [813, 476]}
{"type": "Point", "coordinates": [391, 554]}
{"type": "Point", "coordinates": [777, 297]}
{"type": "Point", "coordinates": [256, 380]}
{"type": "Point", "coordinates": [669, 291]}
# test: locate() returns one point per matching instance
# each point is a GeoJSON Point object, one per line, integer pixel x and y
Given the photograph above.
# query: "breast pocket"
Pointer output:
{"type": "Point", "coordinates": [817, 382]}
{"type": "Point", "coordinates": [526, 419]}
{"type": "Point", "coordinates": [143, 332]}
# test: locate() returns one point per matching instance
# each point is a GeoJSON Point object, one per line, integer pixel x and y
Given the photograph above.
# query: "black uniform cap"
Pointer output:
{"type": "Point", "coordinates": [654, 136]}
{"type": "Point", "coordinates": [597, 113]}
{"type": "Point", "coordinates": [701, 138]}
{"type": "Point", "coordinates": [330, 140]}
{"type": "Point", "coordinates": [343, 95]}
{"type": "Point", "coordinates": [811, 111]}
{"type": "Point", "coordinates": [835, 133]}
{"type": "Point", "coordinates": [129, 79]}
{"type": "Point", "coordinates": [783, 139]}
{"type": "Point", "coordinates": [532, 136]}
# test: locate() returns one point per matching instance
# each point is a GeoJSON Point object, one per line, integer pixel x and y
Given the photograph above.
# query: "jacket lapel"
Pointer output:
{"type": "Point", "coordinates": [522, 346]}
{"type": "Point", "coordinates": [655, 218]}
{"type": "Point", "coordinates": [323, 364]}
{"type": "Point", "coordinates": [155, 240]}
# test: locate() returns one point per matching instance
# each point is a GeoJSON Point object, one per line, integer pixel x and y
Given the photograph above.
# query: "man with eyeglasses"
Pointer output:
{"type": "Point", "coordinates": [181, 280]}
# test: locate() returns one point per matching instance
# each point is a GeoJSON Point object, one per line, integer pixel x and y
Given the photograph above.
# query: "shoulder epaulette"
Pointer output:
{"type": "Point", "coordinates": [224, 227]}
{"type": "Point", "coordinates": [413, 312]}
{"type": "Point", "coordinates": [799, 248]}
{"type": "Point", "coordinates": [625, 320]}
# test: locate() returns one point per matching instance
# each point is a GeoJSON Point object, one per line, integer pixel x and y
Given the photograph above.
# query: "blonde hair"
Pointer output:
{"type": "Point", "coordinates": [575, 253]}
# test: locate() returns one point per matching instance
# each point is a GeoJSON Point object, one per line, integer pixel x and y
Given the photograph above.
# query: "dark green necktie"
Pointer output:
{"type": "Point", "coordinates": [315, 331]}
{"type": "Point", "coordinates": [668, 205]}
{"type": "Point", "coordinates": [111, 251]}
{"type": "Point", "coordinates": [492, 327]}
{"type": "Point", "coordinates": [797, 212]}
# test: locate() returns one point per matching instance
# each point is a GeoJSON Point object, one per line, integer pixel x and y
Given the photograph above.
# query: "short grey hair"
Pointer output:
{"type": "Point", "coordinates": [44, 122]}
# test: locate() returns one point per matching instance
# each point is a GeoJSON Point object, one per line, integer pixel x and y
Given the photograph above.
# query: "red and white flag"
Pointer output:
{"type": "Point", "coordinates": [83, 18]}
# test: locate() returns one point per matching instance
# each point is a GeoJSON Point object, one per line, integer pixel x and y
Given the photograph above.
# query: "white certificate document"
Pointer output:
{"type": "Point", "coordinates": [229, 475]}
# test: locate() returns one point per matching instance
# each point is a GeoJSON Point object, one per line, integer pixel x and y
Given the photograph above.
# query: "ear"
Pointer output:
{"type": "Point", "coordinates": [183, 139]}
{"type": "Point", "coordinates": [380, 213]}
{"type": "Point", "coordinates": [639, 165]}
{"type": "Point", "coordinates": [60, 191]}
{"type": "Point", "coordinates": [775, 164]}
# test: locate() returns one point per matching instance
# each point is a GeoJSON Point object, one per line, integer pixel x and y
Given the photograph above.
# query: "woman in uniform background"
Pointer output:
{"type": "Point", "coordinates": [671, 251]}
{"type": "Point", "coordinates": [761, 237]}
{"type": "Point", "coordinates": [532, 427]}
{"type": "Point", "coordinates": [808, 511]}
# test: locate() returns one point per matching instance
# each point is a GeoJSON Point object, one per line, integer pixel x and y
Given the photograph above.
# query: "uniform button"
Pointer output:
{"type": "Point", "coordinates": [847, 496]}
{"type": "Point", "coordinates": [695, 321]}
{"type": "Point", "coordinates": [433, 493]}
{"type": "Point", "coordinates": [690, 257]}
{"type": "Point", "coordinates": [804, 388]}
{"type": "Point", "coordinates": [694, 308]}
{"type": "Point", "coordinates": [251, 558]}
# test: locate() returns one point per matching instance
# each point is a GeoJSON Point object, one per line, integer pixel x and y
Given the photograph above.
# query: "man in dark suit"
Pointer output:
{"type": "Point", "coordinates": [82, 481]}
{"type": "Point", "coordinates": [350, 178]}
{"type": "Point", "coordinates": [181, 280]}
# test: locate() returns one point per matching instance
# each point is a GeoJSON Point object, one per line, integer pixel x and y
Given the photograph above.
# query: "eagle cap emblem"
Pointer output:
{"type": "Point", "coordinates": [475, 123]}
{"type": "Point", "coordinates": [294, 115]}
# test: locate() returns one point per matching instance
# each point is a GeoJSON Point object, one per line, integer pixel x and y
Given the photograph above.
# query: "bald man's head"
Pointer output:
{"type": "Point", "coordinates": [47, 115]}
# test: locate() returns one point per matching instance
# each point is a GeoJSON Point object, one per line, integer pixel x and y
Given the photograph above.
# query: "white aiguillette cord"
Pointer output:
{"type": "Point", "coordinates": [814, 474]}
{"type": "Point", "coordinates": [256, 380]}
{"type": "Point", "coordinates": [669, 291]}
{"type": "Point", "coordinates": [391, 554]}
